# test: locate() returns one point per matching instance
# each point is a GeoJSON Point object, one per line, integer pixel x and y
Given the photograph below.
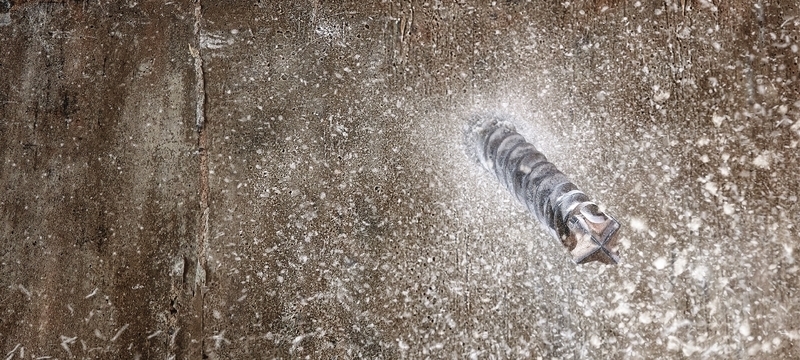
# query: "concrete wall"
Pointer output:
{"type": "Point", "coordinates": [262, 179]}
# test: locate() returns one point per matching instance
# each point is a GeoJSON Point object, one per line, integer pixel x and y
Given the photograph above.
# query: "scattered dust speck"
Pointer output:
{"type": "Point", "coordinates": [660, 263]}
{"type": "Point", "coordinates": [763, 160]}
{"type": "Point", "coordinates": [638, 224]}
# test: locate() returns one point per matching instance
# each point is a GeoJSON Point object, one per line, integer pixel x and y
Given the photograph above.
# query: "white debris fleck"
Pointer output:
{"type": "Point", "coordinates": [694, 224]}
{"type": "Point", "coordinates": [717, 120]}
{"type": "Point", "coordinates": [402, 345]}
{"type": "Point", "coordinates": [661, 96]}
{"type": "Point", "coordinates": [744, 328]}
{"type": "Point", "coordinates": [645, 318]}
{"type": "Point", "coordinates": [25, 291]}
{"type": "Point", "coordinates": [711, 187]}
{"type": "Point", "coordinates": [727, 209]}
{"type": "Point", "coordinates": [220, 338]}
{"type": "Point", "coordinates": [10, 354]}
{"type": "Point", "coordinates": [660, 263]}
{"type": "Point", "coordinates": [638, 224]}
{"type": "Point", "coordinates": [119, 332]}
{"type": "Point", "coordinates": [679, 266]}
{"type": "Point", "coordinates": [595, 340]}
{"type": "Point", "coordinates": [763, 160]}
{"type": "Point", "coordinates": [93, 293]}
{"type": "Point", "coordinates": [699, 273]}
{"type": "Point", "coordinates": [66, 342]}
{"type": "Point", "coordinates": [622, 309]}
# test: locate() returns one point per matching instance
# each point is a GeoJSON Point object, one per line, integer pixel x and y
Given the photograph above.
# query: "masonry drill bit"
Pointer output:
{"type": "Point", "coordinates": [566, 212]}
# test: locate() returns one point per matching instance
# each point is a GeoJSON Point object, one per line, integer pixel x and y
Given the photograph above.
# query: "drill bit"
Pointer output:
{"type": "Point", "coordinates": [566, 212]}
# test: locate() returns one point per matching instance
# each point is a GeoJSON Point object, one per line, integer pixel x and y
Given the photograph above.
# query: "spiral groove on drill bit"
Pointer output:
{"type": "Point", "coordinates": [565, 211]}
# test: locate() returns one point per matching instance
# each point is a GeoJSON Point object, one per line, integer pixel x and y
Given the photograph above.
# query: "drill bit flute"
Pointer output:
{"type": "Point", "coordinates": [566, 212]}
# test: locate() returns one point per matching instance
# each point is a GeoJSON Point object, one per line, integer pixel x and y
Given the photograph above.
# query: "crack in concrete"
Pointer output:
{"type": "Point", "coordinates": [202, 141]}
{"type": "Point", "coordinates": [200, 93]}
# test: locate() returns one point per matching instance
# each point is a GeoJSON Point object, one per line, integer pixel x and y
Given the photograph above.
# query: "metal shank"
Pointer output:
{"type": "Point", "coordinates": [588, 233]}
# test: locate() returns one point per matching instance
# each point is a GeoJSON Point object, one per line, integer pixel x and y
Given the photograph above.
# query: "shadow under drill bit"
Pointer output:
{"type": "Point", "coordinates": [566, 212]}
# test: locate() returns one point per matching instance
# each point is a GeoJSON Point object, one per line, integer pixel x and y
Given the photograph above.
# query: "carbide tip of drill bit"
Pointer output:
{"type": "Point", "coordinates": [594, 234]}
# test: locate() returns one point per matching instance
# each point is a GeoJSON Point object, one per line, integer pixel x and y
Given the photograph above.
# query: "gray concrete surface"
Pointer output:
{"type": "Point", "coordinates": [326, 209]}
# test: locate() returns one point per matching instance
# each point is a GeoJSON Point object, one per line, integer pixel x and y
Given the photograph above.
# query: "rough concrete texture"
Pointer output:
{"type": "Point", "coordinates": [325, 207]}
